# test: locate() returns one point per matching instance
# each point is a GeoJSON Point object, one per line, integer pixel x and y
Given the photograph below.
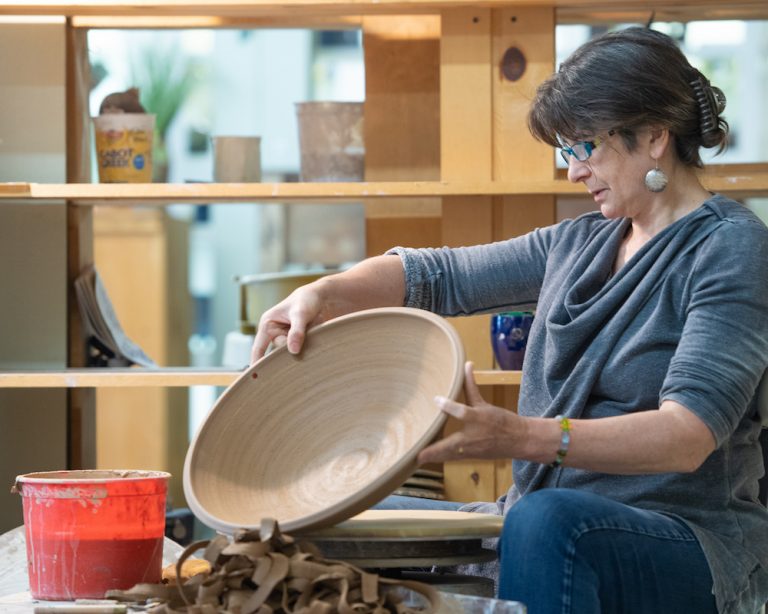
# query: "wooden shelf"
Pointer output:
{"type": "Point", "coordinates": [168, 377]}
{"type": "Point", "coordinates": [188, 22]}
{"type": "Point", "coordinates": [494, 377]}
{"type": "Point", "coordinates": [743, 179]}
{"type": "Point", "coordinates": [130, 194]}
{"type": "Point", "coordinates": [632, 12]}
{"type": "Point", "coordinates": [573, 10]}
{"type": "Point", "coordinates": [118, 378]}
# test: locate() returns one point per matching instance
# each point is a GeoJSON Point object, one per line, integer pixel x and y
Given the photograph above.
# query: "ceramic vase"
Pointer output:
{"type": "Point", "coordinates": [509, 336]}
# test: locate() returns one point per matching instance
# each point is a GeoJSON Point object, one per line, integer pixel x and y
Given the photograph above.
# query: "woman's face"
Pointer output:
{"type": "Point", "coordinates": [615, 176]}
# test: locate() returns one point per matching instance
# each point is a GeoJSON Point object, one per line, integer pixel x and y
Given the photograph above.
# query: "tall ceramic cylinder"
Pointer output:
{"type": "Point", "coordinates": [237, 159]}
{"type": "Point", "coordinates": [331, 141]}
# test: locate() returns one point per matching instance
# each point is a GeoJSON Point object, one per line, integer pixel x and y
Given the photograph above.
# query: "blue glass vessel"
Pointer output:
{"type": "Point", "coordinates": [509, 336]}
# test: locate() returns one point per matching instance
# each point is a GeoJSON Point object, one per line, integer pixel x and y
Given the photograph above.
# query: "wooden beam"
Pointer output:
{"type": "Point", "coordinates": [208, 22]}
{"type": "Point", "coordinates": [466, 146]}
{"type": "Point", "coordinates": [523, 57]}
{"type": "Point", "coordinates": [584, 10]}
{"type": "Point", "coordinates": [465, 104]}
{"type": "Point", "coordinates": [81, 403]}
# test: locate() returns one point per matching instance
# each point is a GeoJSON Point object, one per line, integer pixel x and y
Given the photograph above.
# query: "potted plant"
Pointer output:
{"type": "Point", "coordinates": [165, 78]}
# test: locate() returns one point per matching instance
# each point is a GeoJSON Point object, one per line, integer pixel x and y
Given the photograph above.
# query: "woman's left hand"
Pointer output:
{"type": "Point", "coordinates": [487, 431]}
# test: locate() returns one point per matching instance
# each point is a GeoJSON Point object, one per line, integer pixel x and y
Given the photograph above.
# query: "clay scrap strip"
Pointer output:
{"type": "Point", "coordinates": [266, 572]}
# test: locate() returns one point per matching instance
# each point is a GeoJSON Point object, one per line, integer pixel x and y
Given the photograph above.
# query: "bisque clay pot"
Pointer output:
{"type": "Point", "coordinates": [313, 439]}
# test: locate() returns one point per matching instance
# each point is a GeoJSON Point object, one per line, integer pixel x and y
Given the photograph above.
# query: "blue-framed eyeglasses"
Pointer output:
{"type": "Point", "coordinates": [582, 150]}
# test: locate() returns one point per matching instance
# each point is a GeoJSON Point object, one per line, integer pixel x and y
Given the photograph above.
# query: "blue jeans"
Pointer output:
{"type": "Point", "coordinates": [565, 551]}
{"type": "Point", "coordinates": [398, 502]}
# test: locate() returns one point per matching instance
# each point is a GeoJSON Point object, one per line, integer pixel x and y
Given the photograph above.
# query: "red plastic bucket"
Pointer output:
{"type": "Point", "coordinates": [91, 531]}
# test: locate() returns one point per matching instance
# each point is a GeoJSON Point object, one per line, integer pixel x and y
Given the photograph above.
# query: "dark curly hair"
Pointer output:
{"type": "Point", "coordinates": [625, 80]}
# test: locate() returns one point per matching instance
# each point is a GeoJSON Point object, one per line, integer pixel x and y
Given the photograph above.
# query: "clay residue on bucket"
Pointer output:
{"type": "Point", "coordinates": [88, 475]}
{"type": "Point", "coordinates": [84, 495]}
{"type": "Point", "coordinates": [86, 486]}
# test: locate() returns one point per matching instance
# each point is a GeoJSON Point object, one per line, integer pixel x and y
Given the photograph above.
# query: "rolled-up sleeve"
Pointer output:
{"type": "Point", "coordinates": [723, 350]}
{"type": "Point", "coordinates": [478, 279]}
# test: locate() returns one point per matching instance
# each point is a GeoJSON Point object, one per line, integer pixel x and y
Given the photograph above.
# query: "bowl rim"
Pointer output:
{"type": "Point", "coordinates": [378, 487]}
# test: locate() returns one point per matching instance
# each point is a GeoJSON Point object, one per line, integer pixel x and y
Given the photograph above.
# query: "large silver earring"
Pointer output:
{"type": "Point", "coordinates": [655, 179]}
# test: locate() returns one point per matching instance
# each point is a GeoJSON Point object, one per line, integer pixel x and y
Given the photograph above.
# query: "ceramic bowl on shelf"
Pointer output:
{"type": "Point", "coordinates": [313, 439]}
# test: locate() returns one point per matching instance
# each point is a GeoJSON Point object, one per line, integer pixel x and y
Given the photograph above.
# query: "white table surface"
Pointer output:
{"type": "Point", "coordinates": [16, 599]}
{"type": "Point", "coordinates": [14, 582]}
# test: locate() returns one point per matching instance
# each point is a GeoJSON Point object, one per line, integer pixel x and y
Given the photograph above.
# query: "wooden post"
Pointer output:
{"type": "Point", "coordinates": [466, 123]}
{"type": "Point", "coordinates": [491, 63]}
{"type": "Point", "coordinates": [524, 52]}
{"type": "Point", "coordinates": [81, 444]}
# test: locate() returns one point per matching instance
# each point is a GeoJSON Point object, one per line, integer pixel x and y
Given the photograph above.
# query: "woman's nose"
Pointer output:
{"type": "Point", "coordinates": [577, 171]}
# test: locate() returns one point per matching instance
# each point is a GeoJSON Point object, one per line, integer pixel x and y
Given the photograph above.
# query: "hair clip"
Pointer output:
{"type": "Point", "coordinates": [719, 97]}
{"type": "Point", "coordinates": [711, 101]}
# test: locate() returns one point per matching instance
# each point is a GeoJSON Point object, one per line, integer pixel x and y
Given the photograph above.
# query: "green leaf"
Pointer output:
{"type": "Point", "coordinates": [165, 78]}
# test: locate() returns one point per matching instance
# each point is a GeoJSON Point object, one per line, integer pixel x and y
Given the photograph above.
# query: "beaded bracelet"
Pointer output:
{"type": "Point", "coordinates": [565, 440]}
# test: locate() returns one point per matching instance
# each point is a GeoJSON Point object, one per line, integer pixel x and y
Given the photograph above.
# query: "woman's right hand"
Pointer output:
{"type": "Point", "coordinates": [287, 322]}
{"type": "Point", "coordinates": [375, 282]}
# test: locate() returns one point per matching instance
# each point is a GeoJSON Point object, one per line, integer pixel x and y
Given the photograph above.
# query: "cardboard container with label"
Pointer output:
{"type": "Point", "coordinates": [124, 147]}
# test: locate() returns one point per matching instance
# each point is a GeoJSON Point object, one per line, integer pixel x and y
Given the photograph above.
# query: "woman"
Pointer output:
{"type": "Point", "coordinates": [635, 447]}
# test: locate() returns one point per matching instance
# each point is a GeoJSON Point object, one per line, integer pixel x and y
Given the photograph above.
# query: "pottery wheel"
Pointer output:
{"type": "Point", "coordinates": [452, 583]}
{"type": "Point", "coordinates": [389, 559]}
{"type": "Point", "coordinates": [382, 548]}
{"type": "Point", "coordinates": [419, 525]}
{"type": "Point", "coordinates": [386, 539]}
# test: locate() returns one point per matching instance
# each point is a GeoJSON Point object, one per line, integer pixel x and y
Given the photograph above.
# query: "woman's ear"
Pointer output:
{"type": "Point", "coordinates": [659, 141]}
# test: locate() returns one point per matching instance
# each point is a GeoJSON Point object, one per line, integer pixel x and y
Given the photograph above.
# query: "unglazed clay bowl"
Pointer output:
{"type": "Point", "coordinates": [313, 439]}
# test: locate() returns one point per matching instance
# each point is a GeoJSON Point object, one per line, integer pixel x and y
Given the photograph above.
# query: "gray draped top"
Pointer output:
{"type": "Point", "coordinates": [685, 319]}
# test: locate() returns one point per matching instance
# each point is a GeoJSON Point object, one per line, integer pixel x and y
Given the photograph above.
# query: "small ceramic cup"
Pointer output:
{"type": "Point", "coordinates": [509, 336]}
{"type": "Point", "coordinates": [237, 159]}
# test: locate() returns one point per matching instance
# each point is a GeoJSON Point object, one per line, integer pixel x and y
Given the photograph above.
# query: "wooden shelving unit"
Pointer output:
{"type": "Point", "coordinates": [448, 158]}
